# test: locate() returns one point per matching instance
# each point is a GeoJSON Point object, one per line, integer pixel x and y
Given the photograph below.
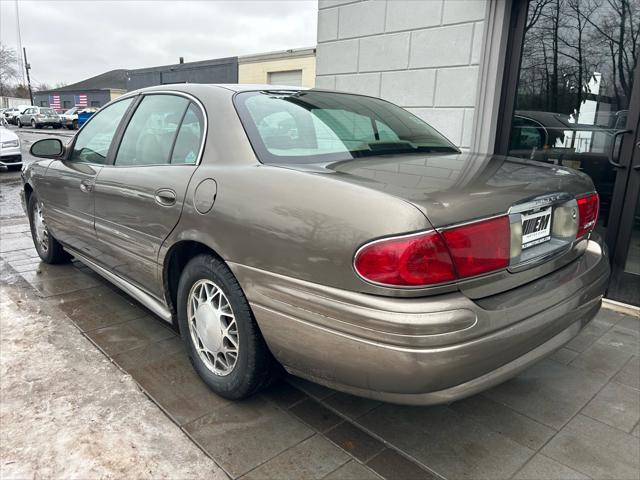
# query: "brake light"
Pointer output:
{"type": "Point", "coordinates": [480, 247]}
{"type": "Point", "coordinates": [588, 207]}
{"type": "Point", "coordinates": [412, 260]}
{"type": "Point", "coordinates": [430, 258]}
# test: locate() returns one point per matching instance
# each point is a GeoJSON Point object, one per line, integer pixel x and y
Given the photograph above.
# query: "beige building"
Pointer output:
{"type": "Point", "coordinates": [295, 67]}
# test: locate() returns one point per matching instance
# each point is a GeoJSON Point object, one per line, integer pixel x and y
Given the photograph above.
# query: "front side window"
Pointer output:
{"type": "Point", "coordinates": [151, 132]}
{"type": "Point", "coordinates": [92, 143]}
{"type": "Point", "coordinates": [309, 127]}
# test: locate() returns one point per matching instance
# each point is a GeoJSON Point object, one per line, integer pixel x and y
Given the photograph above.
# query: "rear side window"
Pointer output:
{"type": "Point", "coordinates": [152, 130]}
{"type": "Point", "coordinates": [93, 141]}
{"type": "Point", "coordinates": [189, 139]}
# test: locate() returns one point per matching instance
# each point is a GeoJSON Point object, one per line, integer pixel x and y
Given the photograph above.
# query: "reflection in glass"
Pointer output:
{"type": "Point", "coordinates": [576, 78]}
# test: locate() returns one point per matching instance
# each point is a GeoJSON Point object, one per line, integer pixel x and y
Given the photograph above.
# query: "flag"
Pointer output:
{"type": "Point", "coordinates": [81, 100]}
{"type": "Point", "coordinates": [54, 101]}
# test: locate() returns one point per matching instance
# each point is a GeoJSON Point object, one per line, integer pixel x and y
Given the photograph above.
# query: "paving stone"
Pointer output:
{"type": "Point", "coordinates": [631, 322]}
{"type": "Point", "coordinates": [312, 389]}
{"type": "Point", "coordinates": [449, 443]}
{"type": "Point", "coordinates": [502, 419]}
{"type": "Point", "coordinates": [283, 394]}
{"type": "Point", "coordinates": [245, 434]}
{"type": "Point", "coordinates": [548, 392]}
{"type": "Point", "coordinates": [174, 384]}
{"type": "Point", "coordinates": [563, 356]}
{"type": "Point", "coordinates": [129, 335]}
{"type": "Point", "coordinates": [90, 314]}
{"type": "Point", "coordinates": [355, 441]}
{"type": "Point", "coordinates": [392, 466]}
{"type": "Point", "coordinates": [636, 431]}
{"type": "Point", "coordinates": [352, 471]}
{"type": "Point", "coordinates": [596, 449]}
{"type": "Point", "coordinates": [47, 285]}
{"type": "Point", "coordinates": [316, 415]}
{"type": "Point", "coordinates": [541, 467]}
{"type": "Point", "coordinates": [601, 358]}
{"type": "Point", "coordinates": [622, 339]}
{"type": "Point", "coordinates": [319, 457]}
{"type": "Point", "coordinates": [630, 373]}
{"type": "Point", "coordinates": [590, 334]}
{"type": "Point", "coordinates": [350, 405]}
{"type": "Point", "coordinates": [616, 405]}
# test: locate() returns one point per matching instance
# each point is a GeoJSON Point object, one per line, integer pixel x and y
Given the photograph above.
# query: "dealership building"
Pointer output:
{"type": "Point", "coordinates": [492, 77]}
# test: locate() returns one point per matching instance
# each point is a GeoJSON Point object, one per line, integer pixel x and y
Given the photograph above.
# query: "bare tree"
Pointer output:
{"type": "Point", "coordinates": [8, 67]}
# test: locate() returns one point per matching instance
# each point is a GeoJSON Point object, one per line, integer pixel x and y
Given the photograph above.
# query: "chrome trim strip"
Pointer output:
{"type": "Point", "coordinates": [144, 298]}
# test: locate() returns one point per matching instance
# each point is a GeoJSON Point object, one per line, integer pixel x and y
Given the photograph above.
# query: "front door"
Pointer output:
{"type": "Point", "coordinates": [67, 189]}
{"type": "Point", "coordinates": [139, 198]}
{"type": "Point", "coordinates": [576, 83]}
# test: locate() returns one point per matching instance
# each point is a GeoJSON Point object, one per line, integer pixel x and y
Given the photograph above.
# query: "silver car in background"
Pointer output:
{"type": "Point", "coordinates": [38, 117]}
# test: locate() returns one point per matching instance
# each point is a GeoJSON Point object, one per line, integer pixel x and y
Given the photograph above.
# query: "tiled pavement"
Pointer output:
{"type": "Point", "coordinates": [573, 415]}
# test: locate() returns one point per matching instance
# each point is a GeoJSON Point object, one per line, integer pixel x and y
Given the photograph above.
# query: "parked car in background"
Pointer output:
{"type": "Point", "coordinates": [11, 114]}
{"type": "Point", "coordinates": [10, 154]}
{"type": "Point", "coordinates": [335, 234]}
{"type": "Point", "coordinates": [85, 115]}
{"type": "Point", "coordinates": [70, 117]}
{"type": "Point", "coordinates": [38, 117]}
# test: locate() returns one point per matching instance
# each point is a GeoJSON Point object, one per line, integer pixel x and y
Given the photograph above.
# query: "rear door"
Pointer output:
{"type": "Point", "coordinates": [139, 198]}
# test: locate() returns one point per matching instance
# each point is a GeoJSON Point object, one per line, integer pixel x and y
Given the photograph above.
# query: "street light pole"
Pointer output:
{"type": "Point", "coordinates": [27, 67]}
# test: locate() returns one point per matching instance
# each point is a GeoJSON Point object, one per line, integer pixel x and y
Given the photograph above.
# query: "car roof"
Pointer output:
{"type": "Point", "coordinates": [234, 87]}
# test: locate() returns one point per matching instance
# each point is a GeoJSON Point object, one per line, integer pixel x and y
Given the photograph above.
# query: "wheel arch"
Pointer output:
{"type": "Point", "coordinates": [176, 259]}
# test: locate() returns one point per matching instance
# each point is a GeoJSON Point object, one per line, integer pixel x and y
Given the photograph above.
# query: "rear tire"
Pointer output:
{"type": "Point", "coordinates": [33, 123]}
{"type": "Point", "coordinates": [48, 248]}
{"type": "Point", "coordinates": [74, 125]}
{"type": "Point", "coordinates": [215, 325]}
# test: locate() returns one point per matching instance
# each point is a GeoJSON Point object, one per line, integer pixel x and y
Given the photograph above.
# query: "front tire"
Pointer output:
{"type": "Point", "coordinates": [222, 337]}
{"type": "Point", "coordinates": [48, 248]}
{"type": "Point", "coordinates": [19, 124]}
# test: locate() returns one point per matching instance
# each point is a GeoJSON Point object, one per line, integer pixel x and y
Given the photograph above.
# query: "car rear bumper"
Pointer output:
{"type": "Point", "coordinates": [423, 350]}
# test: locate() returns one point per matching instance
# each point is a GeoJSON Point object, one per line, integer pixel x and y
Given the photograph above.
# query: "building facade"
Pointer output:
{"type": "Point", "coordinates": [295, 67]}
{"type": "Point", "coordinates": [219, 70]}
{"type": "Point", "coordinates": [553, 81]}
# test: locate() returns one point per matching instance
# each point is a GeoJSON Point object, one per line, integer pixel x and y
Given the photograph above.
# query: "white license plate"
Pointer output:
{"type": "Point", "coordinates": [536, 228]}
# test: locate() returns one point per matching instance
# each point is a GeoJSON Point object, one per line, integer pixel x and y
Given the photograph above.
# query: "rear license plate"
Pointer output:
{"type": "Point", "coordinates": [536, 228]}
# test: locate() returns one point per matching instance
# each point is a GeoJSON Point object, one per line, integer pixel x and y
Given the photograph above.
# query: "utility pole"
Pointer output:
{"type": "Point", "coordinates": [27, 67]}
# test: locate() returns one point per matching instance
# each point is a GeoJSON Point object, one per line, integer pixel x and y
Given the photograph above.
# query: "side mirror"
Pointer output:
{"type": "Point", "coordinates": [47, 148]}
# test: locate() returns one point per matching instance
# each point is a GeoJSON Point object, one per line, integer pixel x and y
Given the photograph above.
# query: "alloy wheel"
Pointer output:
{"type": "Point", "coordinates": [213, 327]}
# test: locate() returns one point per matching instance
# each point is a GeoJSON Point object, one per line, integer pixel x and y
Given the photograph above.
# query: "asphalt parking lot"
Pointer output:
{"type": "Point", "coordinates": [574, 415]}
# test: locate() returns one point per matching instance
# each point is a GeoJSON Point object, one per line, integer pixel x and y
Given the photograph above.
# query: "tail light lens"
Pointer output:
{"type": "Point", "coordinates": [421, 259]}
{"type": "Point", "coordinates": [430, 258]}
{"type": "Point", "coordinates": [587, 213]}
{"type": "Point", "coordinates": [480, 247]}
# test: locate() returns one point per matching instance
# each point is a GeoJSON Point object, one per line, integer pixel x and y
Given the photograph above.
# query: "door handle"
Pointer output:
{"type": "Point", "coordinates": [616, 134]}
{"type": "Point", "coordinates": [165, 197]}
{"type": "Point", "coordinates": [86, 186]}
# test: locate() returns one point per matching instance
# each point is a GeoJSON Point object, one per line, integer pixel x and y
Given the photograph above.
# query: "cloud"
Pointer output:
{"type": "Point", "coordinates": [68, 41]}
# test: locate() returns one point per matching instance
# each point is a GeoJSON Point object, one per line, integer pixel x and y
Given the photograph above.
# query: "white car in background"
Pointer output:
{"type": "Point", "coordinates": [10, 155]}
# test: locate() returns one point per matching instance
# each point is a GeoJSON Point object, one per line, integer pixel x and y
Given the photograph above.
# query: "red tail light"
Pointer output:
{"type": "Point", "coordinates": [412, 260]}
{"type": "Point", "coordinates": [587, 213]}
{"type": "Point", "coordinates": [430, 258]}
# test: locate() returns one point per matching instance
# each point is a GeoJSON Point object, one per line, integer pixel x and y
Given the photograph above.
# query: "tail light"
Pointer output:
{"type": "Point", "coordinates": [480, 247]}
{"type": "Point", "coordinates": [588, 207]}
{"type": "Point", "coordinates": [432, 257]}
{"type": "Point", "coordinates": [412, 260]}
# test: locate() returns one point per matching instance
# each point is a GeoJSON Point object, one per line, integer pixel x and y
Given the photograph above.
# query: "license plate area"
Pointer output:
{"type": "Point", "coordinates": [536, 227]}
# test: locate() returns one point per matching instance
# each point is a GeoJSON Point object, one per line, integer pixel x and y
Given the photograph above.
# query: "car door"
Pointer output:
{"type": "Point", "coordinates": [66, 190]}
{"type": "Point", "coordinates": [139, 198]}
{"type": "Point", "coordinates": [25, 117]}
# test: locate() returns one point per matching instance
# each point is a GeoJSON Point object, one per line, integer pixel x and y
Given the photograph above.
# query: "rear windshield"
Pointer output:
{"type": "Point", "coordinates": [312, 127]}
{"type": "Point", "coordinates": [47, 111]}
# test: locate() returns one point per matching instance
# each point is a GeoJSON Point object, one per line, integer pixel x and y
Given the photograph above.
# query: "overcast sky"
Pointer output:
{"type": "Point", "coordinates": [68, 41]}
